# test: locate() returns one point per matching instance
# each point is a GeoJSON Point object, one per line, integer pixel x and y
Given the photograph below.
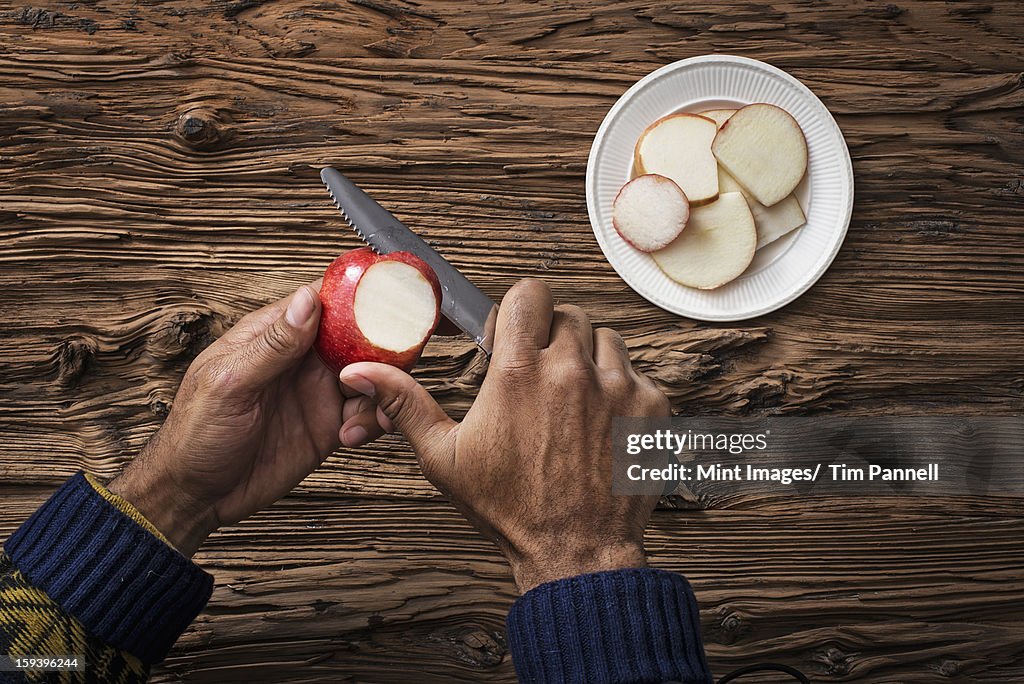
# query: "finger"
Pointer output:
{"type": "Point", "coordinates": [284, 342]}
{"type": "Point", "coordinates": [362, 427]}
{"type": "Point", "coordinates": [610, 350]}
{"type": "Point", "coordinates": [351, 393]}
{"type": "Point", "coordinates": [524, 321]}
{"type": "Point", "coordinates": [571, 331]}
{"type": "Point", "coordinates": [385, 423]}
{"type": "Point", "coordinates": [375, 422]}
{"type": "Point", "coordinates": [357, 405]}
{"type": "Point", "coordinates": [412, 410]}
{"type": "Point", "coordinates": [382, 420]}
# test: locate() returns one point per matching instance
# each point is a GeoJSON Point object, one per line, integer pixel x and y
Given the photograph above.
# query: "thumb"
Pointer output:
{"type": "Point", "coordinates": [413, 411]}
{"type": "Point", "coordinates": [278, 346]}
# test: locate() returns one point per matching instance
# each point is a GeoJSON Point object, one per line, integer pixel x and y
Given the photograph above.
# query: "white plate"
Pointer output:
{"type": "Point", "coordinates": [781, 271]}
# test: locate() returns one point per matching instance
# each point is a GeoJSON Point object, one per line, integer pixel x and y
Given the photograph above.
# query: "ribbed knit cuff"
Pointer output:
{"type": "Point", "coordinates": [124, 585]}
{"type": "Point", "coordinates": [637, 625]}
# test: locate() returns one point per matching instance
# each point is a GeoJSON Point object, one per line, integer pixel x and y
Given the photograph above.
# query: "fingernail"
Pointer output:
{"type": "Point", "coordinates": [359, 384]}
{"type": "Point", "coordinates": [354, 436]}
{"type": "Point", "coordinates": [300, 308]}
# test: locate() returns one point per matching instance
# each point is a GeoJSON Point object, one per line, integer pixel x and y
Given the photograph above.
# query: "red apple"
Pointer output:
{"type": "Point", "coordinates": [379, 308]}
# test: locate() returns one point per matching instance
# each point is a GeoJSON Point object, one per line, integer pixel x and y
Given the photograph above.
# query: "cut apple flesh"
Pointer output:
{"type": "Point", "coordinates": [772, 222]}
{"type": "Point", "coordinates": [678, 146]}
{"type": "Point", "coordinates": [394, 306]}
{"type": "Point", "coordinates": [650, 211]}
{"type": "Point", "coordinates": [716, 247]}
{"type": "Point", "coordinates": [719, 116]}
{"type": "Point", "coordinates": [763, 148]}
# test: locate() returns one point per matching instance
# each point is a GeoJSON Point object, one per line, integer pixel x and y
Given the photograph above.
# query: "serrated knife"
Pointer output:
{"type": "Point", "coordinates": [462, 302]}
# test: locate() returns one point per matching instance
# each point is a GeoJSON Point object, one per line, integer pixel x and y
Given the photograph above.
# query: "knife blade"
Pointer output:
{"type": "Point", "coordinates": [462, 302]}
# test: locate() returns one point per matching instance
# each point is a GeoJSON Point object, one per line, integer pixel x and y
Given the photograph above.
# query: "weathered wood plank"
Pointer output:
{"type": "Point", "coordinates": [881, 596]}
{"type": "Point", "coordinates": [909, 35]}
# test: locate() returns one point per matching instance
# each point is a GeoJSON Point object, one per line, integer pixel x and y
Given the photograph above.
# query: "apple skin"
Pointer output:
{"type": "Point", "coordinates": [339, 340]}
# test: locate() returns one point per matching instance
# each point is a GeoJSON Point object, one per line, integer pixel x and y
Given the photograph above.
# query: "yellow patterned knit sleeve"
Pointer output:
{"type": "Point", "coordinates": [31, 624]}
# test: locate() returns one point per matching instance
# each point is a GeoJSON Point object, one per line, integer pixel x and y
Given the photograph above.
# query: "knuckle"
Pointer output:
{"type": "Point", "coordinates": [277, 340]}
{"type": "Point", "coordinates": [527, 289]}
{"type": "Point", "coordinates": [572, 314]}
{"type": "Point", "coordinates": [574, 372]}
{"type": "Point", "coordinates": [531, 286]}
{"type": "Point", "coordinates": [611, 337]}
{"type": "Point", "coordinates": [577, 312]}
{"type": "Point", "coordinates": [396, 406]}
{"type": "Point", "coordinates": [616, 381]}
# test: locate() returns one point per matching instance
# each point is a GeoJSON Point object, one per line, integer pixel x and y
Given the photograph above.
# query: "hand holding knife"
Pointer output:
{"type": "Point", "coordinates": [462, 302]}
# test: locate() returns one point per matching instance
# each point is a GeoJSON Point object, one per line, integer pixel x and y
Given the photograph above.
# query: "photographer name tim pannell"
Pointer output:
{"type": "Point", "coordinates": [716, 472]}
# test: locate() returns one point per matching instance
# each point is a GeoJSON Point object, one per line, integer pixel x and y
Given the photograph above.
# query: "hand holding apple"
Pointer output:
{"type": "Point", "coordinates": [256, 412]}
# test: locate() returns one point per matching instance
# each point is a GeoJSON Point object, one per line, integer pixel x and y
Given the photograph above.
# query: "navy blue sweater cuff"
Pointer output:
{"type": "Point", "coordinates": [629, 626]}
{"type": "Point", "coordinates": [123, 584]}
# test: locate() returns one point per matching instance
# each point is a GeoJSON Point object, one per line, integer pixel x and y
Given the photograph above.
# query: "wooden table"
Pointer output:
{"type": "Point", "coordinates": [158, 172]}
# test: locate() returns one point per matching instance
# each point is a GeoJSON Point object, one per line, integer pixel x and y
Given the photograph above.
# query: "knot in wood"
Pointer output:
{"type": "Point", "coordinates": [73, 358]}
{"type": "Point", "coordinates": [480, 647]}
{"type": "Point", "coordinates": [199, 129]}
{"type": "Point", "coordinates": [733, 627]}
{"type": "Point", "coordinates": [160, 408]}
{"type": "Point", "coordinates": [837, 662]}
{"type": "Point", "coordinates": [182, 334]}
{"type": "Point", "coordinates": [732, 623]}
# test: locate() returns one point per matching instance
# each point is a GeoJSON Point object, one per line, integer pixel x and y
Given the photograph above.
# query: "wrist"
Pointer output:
{"type": "Point", "coordinates": [533, 569]}
{"type": "Point", "coordinates": [182, 520]}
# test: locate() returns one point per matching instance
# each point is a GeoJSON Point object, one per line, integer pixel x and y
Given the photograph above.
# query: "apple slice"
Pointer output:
{"type": "Point", "coordinates": [719, 116]}
{"type": "Point", "coordinates": [678, 146]}
{"type": "Point", "coordinates": [650, 211]}
{"type": "Point", "coordinates": [763, 148]}
{"type": "Point", "coordinates": [379, 308]}
{"type": "Point", "coordinates": [716, 247]}
{"type": "Point", "coordinates": [772, 222]}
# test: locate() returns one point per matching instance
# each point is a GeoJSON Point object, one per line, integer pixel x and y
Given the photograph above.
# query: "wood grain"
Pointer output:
{"type": "Point", "coordinates": [158, 167]}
